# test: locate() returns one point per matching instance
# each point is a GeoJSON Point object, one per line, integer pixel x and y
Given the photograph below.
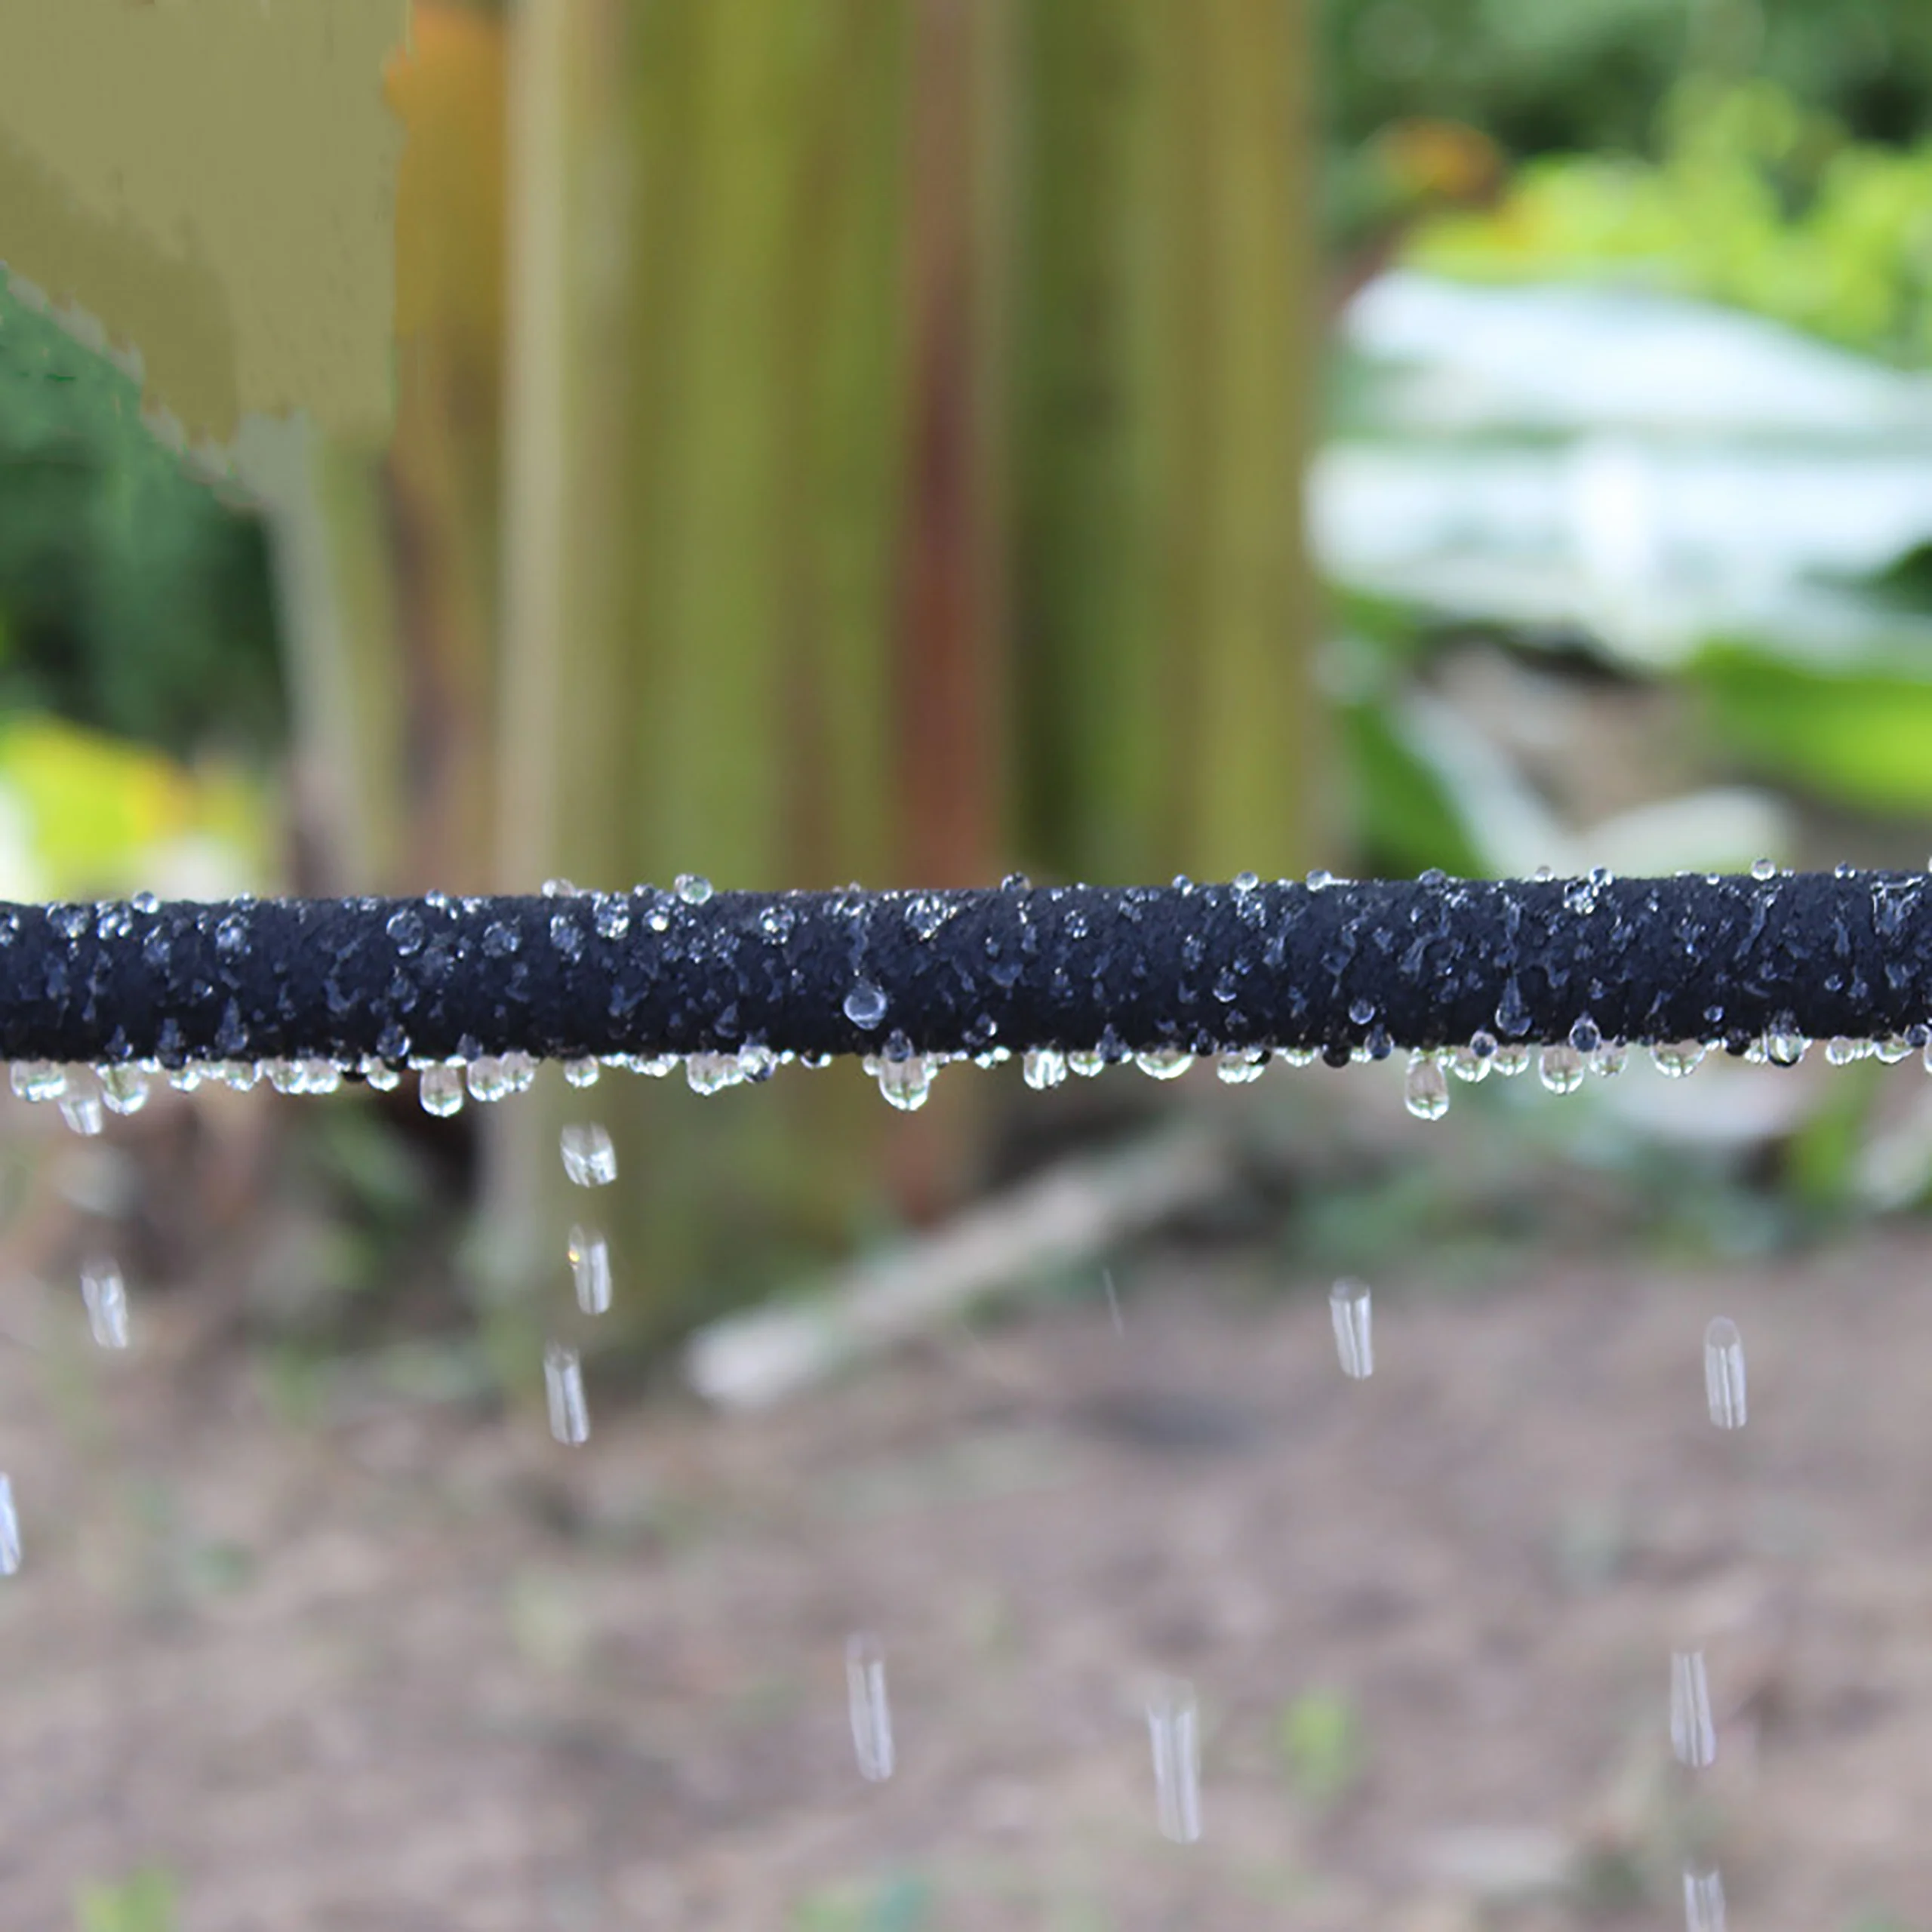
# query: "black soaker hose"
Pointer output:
{"type": "Point", "coordinates": [1332, 966]}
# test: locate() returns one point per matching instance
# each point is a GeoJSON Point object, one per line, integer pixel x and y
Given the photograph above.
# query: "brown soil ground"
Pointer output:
{"type": "Point", "coordinates": [404, 1668]}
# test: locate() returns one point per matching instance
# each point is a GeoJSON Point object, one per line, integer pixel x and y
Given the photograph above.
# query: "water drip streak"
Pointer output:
{"type": "Point", "coordinates": [1150, 973]}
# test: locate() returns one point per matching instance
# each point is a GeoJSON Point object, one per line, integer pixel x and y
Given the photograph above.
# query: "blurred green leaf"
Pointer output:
{"type": "Point", "coordinates": [146, 1903]}
{"type": "Point", "coordinates": [1858, 738]}
{"type": "Point", "coordinates": [1323, 1748]}
{"type": "Point", "coordinates": [1405, 818]}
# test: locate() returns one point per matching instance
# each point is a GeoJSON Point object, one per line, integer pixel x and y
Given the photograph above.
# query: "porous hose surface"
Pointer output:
{"type": "Point", "coordinates": [1427, 963]}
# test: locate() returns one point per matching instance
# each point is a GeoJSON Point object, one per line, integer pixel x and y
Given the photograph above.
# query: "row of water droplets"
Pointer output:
{"type": "Point", "coordinates": [904, 1076]}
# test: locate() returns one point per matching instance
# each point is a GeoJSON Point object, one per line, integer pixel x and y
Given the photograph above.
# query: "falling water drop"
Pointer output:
{"type": "Point", "coordinates": [10, 1529]}
{"type": "Point", "coordinates": [865, 1005]}
{"type": "Point", "coordinates": [1173, 1730]}
{"type": "Point", "coordinates": [1692, 1735]}
{"type": "Point", "coordinates": [1349, 1309]}
{"type": "Point", "coordinates": [1703, 1901]}
{"type": "Point", "coordinates": [590, 1269]}
{"type": "Point", "coordinates": [81, 1108]}
{"type": "Point", "coordinates": [871, 1714]}
{"type": "Point", "coordinates": [1425, 1086]}
{"type": "Point", "coordinates": [105, 1296]}
{"type": "Point", "coordinates": [563, 1386]}
{"type": "Point", "coordinates": [1724, 1373]}
{"type": "Point", "coordinates": [439, 1089]}
{"type": "Point", "coordinates": [590, 1158]}
{"type": "Point", "coordinates": [1113, 1302]}
{"type": "Point", "coordinates": [1560, 1069]}
{"type": "Point", "coordinates": [1041, 1067]}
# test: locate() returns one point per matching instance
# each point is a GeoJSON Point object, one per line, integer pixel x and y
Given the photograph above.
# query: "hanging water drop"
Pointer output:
{"type": "Point", "coordinates": [590, 1158]}
{"type": "Point", "coordinates": [1609, 1060]}
{"type": "Point", "coordinates": [1677, 1058]}
{"type": "Point", "coordinates": [124, 1087]}
{"type": "Point", "coordinates": [1425, 1086]}
{"type": "Point", "coordinates": [1349, 1310]}
{"type": "Point", "coordinates": [581, 1072]}
{"type": "Point", "coordinates": [1724, 1373]}
{"type": "Point", "coordinates": [439, 1089]}
{"type": "Point", "coordinates": [1087, 1066]}
{"type": "Point", "coordinates": [1168, 1063]}
{"type": "Point", "coordinates": [1693, 1734]}
{"type": "Point", "coordinates": [381, 1076]}
{"type": "Point", "coordinates": [711, 1073]}
{"type": "Point", "coordinates": [38, 1079]}
{"type": "Point", "coordinates": [905, 1083]}
{"type": "Point", "coordinates": [563, 1388]}
{"type": "Point", "coordinates": [1703, 1901]}
{"type": "Point", "coordinates": [1509, 1060]}
{"type": "Point", "coordinates": [1174, 1731]}
{"type": "Point", "coordinates": [1042, 1067]}
{"type": "Point", "coordinates": [104, 1295]}
{"type": "Point", "coordinates": [590, 1270]}
{"type": "Point", "coordinates": [1560, 1069]}
{"type": "Point", "coordinates": [1239, 1065]}
{"type": "Point", "coordinates": [871, 1713]}
{"type": "Point", "coordinates": [865, 1006]}
{"type": "Point", "coordinates": [1465, 1063]}
{"type": "Point", "coordinates": [1842, 1052]}
{"type": "Point", "coordinates": [1785, 1048]}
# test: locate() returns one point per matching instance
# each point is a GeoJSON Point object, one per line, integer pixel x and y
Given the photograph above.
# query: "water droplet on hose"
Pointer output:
{"type": "Point", "coordinates": [1168, 1063]}
{"type": "Point", "coordinates": [1425, 1086]}
{"type": "Point", "coordinates": [405, 929]}
{"type": "Point", "coordinates": [694, 888]}
{"type": "Point", "coordinates": [865, 1005]}
{"type": "Point", "coordinates": [1676, 1059]}
{"type": "Point", "coordinates": [124, 1087]}
{"type": "Point", "coordinates": [1763, 869]}
{"type": "Point", "coordinates": [1561, 1069]}
{"type": "Point", "coordinates": [439, 1089]}
{"type": "Point", "coordinates": [38, 1079]}
{"type": "Point", "coordinates": [1041, 1067]}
